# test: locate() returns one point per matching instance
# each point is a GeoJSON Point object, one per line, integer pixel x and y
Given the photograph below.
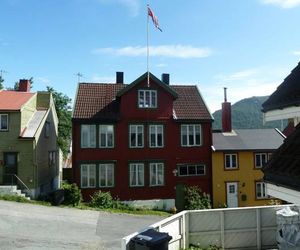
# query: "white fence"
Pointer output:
{"type": "Point", "coordinates": [230, 228]}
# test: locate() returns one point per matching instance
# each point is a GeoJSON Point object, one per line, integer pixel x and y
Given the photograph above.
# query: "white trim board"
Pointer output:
{"type": "Point", "coordinates": [283, 193]}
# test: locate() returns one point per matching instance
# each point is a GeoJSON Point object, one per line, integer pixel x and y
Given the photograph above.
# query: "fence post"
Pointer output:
{"type": "Point", "coordinates": [186, 232]}
{"type": "Point", "coordinates": [258, 229]}
{"type": "Point", "coordinates": [222, 229]}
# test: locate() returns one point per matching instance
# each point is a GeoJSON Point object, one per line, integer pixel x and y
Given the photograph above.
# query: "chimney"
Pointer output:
{"type": "Point", "coordinates": [24, 85]}
{"type": "Point", "coordinates": [226, 114]}
{"type": "Point", "coordinates": [165, 78]}
{"type": "Point", "coordinates": [119, 77]}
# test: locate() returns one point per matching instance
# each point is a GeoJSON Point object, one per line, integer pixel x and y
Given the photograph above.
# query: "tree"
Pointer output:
{"type": "Point", "coordinates": [63, 110]}
{"type": "Point", "coordinates": [1, 81]}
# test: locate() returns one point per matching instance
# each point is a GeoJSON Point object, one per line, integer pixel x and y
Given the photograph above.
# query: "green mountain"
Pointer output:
{"type": "Point", "coordinates": [246, 113]}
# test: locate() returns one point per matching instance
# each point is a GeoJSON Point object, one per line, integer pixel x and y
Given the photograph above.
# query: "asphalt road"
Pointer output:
{"type": "Point", "coordinates": [31, 227]}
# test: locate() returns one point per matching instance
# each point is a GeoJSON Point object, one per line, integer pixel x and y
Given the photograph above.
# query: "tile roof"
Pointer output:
{"type": "Point", "coordinates": [248, 139]}
{"type": "Point", "coordinates": [284, 167]}
{"type": "Point", "coordinates": [13, 100]}
{"type": "Point", "coordinates": [287, 94]}
{"type": "Point", "coordinates": [98, 101]}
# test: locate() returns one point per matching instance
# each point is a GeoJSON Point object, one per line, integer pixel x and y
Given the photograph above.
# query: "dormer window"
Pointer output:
{"type": "Point", "coordinates": [147, 98]}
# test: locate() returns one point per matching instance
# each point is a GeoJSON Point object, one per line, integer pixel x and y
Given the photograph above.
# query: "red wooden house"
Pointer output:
{"type": "Point", "coordinates": [142, 142]}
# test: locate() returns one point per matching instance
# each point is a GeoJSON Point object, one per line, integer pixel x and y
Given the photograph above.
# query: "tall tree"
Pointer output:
{"type": "Point", "coordinates": [63, 110]}
{"type": "Point", "coordinates": [1, 82]}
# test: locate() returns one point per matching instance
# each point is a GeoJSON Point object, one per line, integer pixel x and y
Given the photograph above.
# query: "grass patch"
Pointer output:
{"type": "Point", "coordinates": [86, 206]}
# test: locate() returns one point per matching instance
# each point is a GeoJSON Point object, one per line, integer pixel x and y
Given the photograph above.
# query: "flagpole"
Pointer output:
{"type": "Point", "coordinates": [148, 80]}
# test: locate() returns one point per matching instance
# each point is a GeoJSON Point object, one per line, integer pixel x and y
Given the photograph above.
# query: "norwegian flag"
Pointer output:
{"type": "Point", "coordinates": [154, 19]}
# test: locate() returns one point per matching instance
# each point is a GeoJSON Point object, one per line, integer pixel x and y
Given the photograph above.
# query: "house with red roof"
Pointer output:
{"type": "Point", "coordinates": [142, 141]}
{"type": "Point", "coordinates": [29, 156]}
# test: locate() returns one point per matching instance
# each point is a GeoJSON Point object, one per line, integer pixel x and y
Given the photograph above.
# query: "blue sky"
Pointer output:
{"type": "Point", "coordinates": [249, 46]}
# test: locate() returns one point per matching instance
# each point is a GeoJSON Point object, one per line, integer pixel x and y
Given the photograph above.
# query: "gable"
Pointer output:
{"type": "Point", "coordinates": [152, 79]}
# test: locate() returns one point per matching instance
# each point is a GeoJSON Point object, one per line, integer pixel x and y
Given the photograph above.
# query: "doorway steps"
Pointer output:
{"type": "Point", "coordinates": [13, 190]}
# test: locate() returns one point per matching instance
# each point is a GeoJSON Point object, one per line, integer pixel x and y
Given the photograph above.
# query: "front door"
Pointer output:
{"type": "Point", "coordinates": [179, 202]}
{"type": "Point", "coordinates": [232, 194]}
{"type": "Point", "coordinates": [10, 168]}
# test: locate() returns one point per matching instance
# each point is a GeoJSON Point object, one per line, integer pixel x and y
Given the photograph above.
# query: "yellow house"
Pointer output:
{"type": "Point", "coordinates": [237, 159]}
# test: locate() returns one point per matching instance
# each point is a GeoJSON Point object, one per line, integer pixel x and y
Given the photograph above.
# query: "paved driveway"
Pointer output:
{"type": "Point", "coordinates": [28, 226]}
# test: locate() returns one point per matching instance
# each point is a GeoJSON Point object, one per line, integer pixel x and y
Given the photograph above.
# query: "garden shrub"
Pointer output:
{"type": "Point", "coordinates": [194, 198]}
{"type": "Point", "coordinates": [105, 200]}
{"type": "Point", "coordinates": [72, 194]}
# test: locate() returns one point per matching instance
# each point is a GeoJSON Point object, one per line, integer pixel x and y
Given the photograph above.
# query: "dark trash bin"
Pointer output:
{"type": "Point", "coordinates": [57, 197]}
{"type": "Point", "coordinates": [150, 240]}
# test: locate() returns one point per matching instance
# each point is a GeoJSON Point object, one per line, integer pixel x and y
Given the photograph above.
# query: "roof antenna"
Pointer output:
{"type": "Point", "coordinates": [79, 76]}
{"type": "Point", "coordinates": [2, 71]}
{"type": "Point", "coordinates": [225, 94]}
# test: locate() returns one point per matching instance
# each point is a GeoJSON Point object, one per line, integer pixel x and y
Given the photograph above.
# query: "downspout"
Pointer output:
{"type": "Point", "coordinates": [35, 180]}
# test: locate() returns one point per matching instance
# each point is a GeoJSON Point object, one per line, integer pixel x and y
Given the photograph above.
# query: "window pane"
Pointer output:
{"type": "Point", "coordinates": [102, 175]}
{"type": "Point", "coordinates": [152, 140]}
{"type": "Point", "coordinates": [92, 176]}
{"type": "Point", "coordinates": [192, 170]}
{"type": "Point", "coordinates": [140, 175]}
{"type": "Point", "coordinates": [227, 161]}
{"type": "Point", "coordinates": [233, 159]}
{"type": "Point", "coordinates": [153, 99]}
{"type": "Point", "coordinates": [183, 170]}
{"type": "Point", "coordinates": [257, 160]}
{"type": "Point", "coordinates": [110, 175]}
{"type": "Point", "coordinates": [198, 133]}
{"type": "Point", "coordinates": [184, 135]}
{"type": "Point", "coordinates": [200, 170]}
{"type": "Point", "coordinates": [84, 180]}
{"type": "Point", "coordinates": [110, 140]}
{"type": "Point", "coordinates": [159, 140]}
{"type": "Point", "coordinates": [132, 175]}
{"type": "Point", "coordinates": [147, 102]}
{"type": "Point", "coordinates": [4, 122]}
{"type": "Point", "coordinates": [191, 135]}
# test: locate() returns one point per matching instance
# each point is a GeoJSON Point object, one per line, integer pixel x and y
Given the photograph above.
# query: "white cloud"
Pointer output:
{"type": "Point", "coordinates": [132, 5]}
{"type": "Point", "coordinates": [179, 51]}
{"type": "Point", "coordinates": [286, 4]}
{"type": "Point", "coordinates": [296, 53]}
{"type": "Point", "coordinates": [161, 65]}
{"type": "Point", "coordinates": [43, 80]}
{"type": "Point", "coordinates": [242, 84]}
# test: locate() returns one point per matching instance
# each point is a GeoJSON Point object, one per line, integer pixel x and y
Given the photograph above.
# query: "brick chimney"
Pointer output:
{"type": "Point", "coordinates": [226, 114]}
{"type": "Point", "coordinates": [24, 85]}
{"type": "Point", "coordinates": [119, 77]}
{"type": "Point", "coordinates": [165, 78]}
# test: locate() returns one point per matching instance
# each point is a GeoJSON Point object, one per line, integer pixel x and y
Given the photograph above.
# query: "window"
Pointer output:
{"type": "Point", "coordinates": [147, 98]}
{"type": "Point", "coordinates": [261, 159]}
{"type": "Point", "coordinates": [261, 192]}
{"type": "Point", "coordinates": [231, 161]}
{"type": "Point", "coordinates": [136, 136]}
{"type": "Point", "coordinates": [52, 158]}
{"type": "Point", "coordinates": [156, 136]}
{"type": "Point", "coordinates": [191, 135]}
{"type": "Point", "coordinates": [3, 122]}
{"type": "Point", "coordinates": [88, 175]}
{"type": "Point", "coordinates": [47, 129]}
{"type": "Point", "coordinates": [156, 174]}
{"type": "Point", "coordinates": [136, 175]}
{"type": "Point", "coordinates": [106, 136]}
{"type": "Point", "coordinates": [88, 136]}
{"type": "Point", "coordinates": [191, 169]}
{"type": "Point", "coordinates": [106, 175]}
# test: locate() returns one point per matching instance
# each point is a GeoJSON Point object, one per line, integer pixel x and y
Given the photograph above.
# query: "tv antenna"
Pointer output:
{"type": "Point", "coordinates": [79, 76]}
{"type": "Point", "coordinates": [2, 72]}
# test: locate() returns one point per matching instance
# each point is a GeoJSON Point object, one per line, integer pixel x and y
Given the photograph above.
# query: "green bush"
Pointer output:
{"type": "Point", "coordinates": [16, 198]}
{"type": "Point", "coordinates": [105, 200]}
{"type": "Point", "coordinates": [72, 194]}
{"type": "Point", "coordinates": [102, 200]}
{"type": "Point", "coordinates": [211, 247]}
{"type": "Point", "coordinates": [194, 198]}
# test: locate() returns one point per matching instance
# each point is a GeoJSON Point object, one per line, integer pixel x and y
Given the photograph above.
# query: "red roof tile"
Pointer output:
{"type": "Point", "coordinates": [98, 101]}
{"type": "Point", "coordinates": [13, 100]}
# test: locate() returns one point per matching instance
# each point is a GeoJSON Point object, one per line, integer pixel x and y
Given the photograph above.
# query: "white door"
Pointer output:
{"type": "Point", "coordinates": [232, 194]}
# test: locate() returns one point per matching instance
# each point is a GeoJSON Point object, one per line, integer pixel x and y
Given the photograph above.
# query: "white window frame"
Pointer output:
{"type": "Point", "coordinates": [259, 185]}
{"type": "Point", "coordinates": [52, 158]}
{"type": "Point", "coordinates": [142, 98]}
{"type": "Point", "coordinates": [105, 167]}
{"type": "Point", "coordinates": [90, 129]}
{"type": "Point", "coordinates": [156, 169]}
{"type": "Point", "coordinates": [186, 128]}
{"type": "Point", "coordinates": [260, 155]}
{"type": "Point", "coordinates": [106, 133]}
{"type": "Point", "coordinates": [1, 117]}
{"type": "Point", "coordinates": [231, 161]}
{"type": "Point", "coordinates": [135, 128]}
{"type": "Point", "coordinates": [90, 169]}
{"type": "Point", "coordinates": [134, 170]}
{"type": "Point", "coordinates": [156, 134]}
{"type": "Point", "coordinates": [188, 166]}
